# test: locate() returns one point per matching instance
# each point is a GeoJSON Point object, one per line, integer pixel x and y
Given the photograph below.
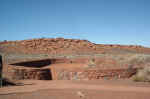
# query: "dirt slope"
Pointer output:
{"type": "Point", "coordinates": [65, 46]}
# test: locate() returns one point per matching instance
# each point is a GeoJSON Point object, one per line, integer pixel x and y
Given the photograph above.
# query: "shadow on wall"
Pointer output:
{"type": "Point", "coordinates": [37, 64]}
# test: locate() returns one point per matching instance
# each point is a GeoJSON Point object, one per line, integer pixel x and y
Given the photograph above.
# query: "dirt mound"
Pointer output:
{"type": "Point", "coordinates": [66, 46]}
{"type": "Point", "coordinates": [53, 46]}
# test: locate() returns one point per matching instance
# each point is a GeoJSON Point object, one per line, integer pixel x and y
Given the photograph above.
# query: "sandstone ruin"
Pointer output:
{"type": "Point", "coordinates": [64, 69]}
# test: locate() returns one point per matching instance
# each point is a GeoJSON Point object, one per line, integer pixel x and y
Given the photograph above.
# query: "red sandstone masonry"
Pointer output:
{"type": "Point", "coordinates": [63, 46]}
{"type": "Point", "coordinates": [21, 73]}
{"type": "Point", "coordinates": [63, 74]}
{"type": "Point", "coordinates": [56, 73]}
{"type": "Point", "coordinates": [66, 69]}
{"type": "Point", "coordinates": [37, 74]}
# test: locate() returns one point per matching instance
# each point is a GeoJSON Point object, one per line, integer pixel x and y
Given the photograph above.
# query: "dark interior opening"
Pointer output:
{"type": "Point", "coordinates": [37, 64]}
{"type": "Point", "coordinates": [48, 75]}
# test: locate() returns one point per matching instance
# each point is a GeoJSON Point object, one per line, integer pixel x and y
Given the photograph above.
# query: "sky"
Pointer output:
{"type": "Point", "coordinates": [124, 22]}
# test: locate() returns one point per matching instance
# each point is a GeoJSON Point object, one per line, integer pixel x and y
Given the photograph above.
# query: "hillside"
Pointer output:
{"type": "Point", "coordinates": [14, 51]}
{"type": "Point", "coordinates": [66, 46]}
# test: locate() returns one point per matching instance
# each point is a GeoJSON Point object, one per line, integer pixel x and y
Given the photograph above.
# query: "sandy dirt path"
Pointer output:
{"type": "Point", "coordinates": [73, 89]}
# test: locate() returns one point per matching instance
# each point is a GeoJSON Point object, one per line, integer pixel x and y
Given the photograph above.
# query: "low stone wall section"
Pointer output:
{"type": "Point", "coordinates": [62, 74]}
{"type": "Point", "coordinates": [37, 74]}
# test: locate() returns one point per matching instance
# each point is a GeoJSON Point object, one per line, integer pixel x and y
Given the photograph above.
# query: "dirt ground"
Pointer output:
{"type": "Point", "coordinates": [94, 89]}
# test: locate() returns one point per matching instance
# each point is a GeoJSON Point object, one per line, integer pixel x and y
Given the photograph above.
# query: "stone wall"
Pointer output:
{"type": "Point", "coordinates": [67, 74]}
{"type": "Point", "coordinates": [62, 74]}
{"type": "Point", "coordinates": [44, 70]}
{"type": "Point", "coordinates": [37, 74]}
{"type": "Point", "coordinates": [54, 73]}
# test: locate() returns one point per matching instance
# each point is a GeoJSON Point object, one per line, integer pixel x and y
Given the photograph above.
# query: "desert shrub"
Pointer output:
{"type": "Point", "coordinates": [63, 75]}
{"type": "Point", "coordinates": [91, 63]}
{"type": "Point", "coordinates": [142, 75]}
{"type": "Point", "coordinates": [138, 59]}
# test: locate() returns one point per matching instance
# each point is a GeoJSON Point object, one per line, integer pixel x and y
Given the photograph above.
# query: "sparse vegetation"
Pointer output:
{"type": "Point", "coordinates": [92, 63]}
{"type": "Point", "coordinates": [138, 59]}
{"type": "Point", "coordinates": [142, 75]}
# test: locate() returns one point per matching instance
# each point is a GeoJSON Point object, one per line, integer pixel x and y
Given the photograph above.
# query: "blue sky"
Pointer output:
{"type": "Point", "coordinates": [100, 21]}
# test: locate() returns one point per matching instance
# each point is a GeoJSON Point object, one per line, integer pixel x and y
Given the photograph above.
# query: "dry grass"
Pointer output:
{"type": "Point", "coordinates": [139, 58]}
{"type": "Point", "coordinates": [91, 63]}
{"type": "Point", "coordinates": [131, 59]}
{"type": "Point", "coordinates": [142, 75]}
